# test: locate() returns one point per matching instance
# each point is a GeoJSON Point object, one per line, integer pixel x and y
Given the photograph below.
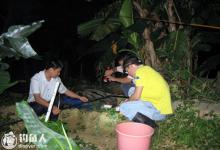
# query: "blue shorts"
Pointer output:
{"type": "Point", "coordinates": [130, 108]}
{"type": "Point", "coordinates": [75, 103]}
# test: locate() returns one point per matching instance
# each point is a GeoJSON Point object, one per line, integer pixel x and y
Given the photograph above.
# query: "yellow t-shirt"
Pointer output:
{"type": "Point", "coordinates": [155, 89]}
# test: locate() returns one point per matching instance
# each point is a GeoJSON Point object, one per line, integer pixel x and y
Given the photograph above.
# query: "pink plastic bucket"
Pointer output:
{"type": "Point", "coordinates": [133, 136]}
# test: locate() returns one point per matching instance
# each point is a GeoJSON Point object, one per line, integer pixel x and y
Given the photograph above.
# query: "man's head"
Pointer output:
{"type": "Point", "coordinates": [131, 64]}
{"type": "Point", "coordinates": [54, 68]}
{"type": "Point", "coordinates": [121, 57]}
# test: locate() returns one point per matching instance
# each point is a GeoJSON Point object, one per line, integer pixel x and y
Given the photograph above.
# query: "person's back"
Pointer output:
{"type": "Point", "coordinates": [155, 88]}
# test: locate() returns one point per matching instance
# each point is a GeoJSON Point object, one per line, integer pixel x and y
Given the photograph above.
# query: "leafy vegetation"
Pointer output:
{"type": "Point", "coordinates": [84, 145]}
{"type": "Point", "coordinates": [56, 126]}
{"type": "Point", "coordinates": [185, 130]}
{"type": "Point", "coordinates": [143, 28]}
{"type": "Point", "coordinates": [14, 43]}
{"type": "Point", "coordinates": [52, 140]}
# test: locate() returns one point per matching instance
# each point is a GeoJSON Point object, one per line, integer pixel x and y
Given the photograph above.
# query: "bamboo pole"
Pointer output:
{"type": "Point", "coordinates": [181, 23]}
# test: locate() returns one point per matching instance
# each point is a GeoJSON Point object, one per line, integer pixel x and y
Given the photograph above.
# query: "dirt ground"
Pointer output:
{"type": "Point", "coordinates": [97, 128]}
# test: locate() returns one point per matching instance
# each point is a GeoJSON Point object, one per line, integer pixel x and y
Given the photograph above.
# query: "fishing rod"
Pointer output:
{"type": "Point", "coordinates": [175, 22]}
{"type": "Point", "coordinates": [180, 23]}
{"type": "Point", "coordinates": [72, 106]}
{"type": "Point", "coordinates": [108, 96]}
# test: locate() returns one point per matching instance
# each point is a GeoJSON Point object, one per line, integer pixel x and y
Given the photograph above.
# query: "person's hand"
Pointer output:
{"type": "Point", "coordinates": [55, 110]}
{"type": "Point", "coordinates": [126, 100]}
{"type": "Point", "coordinates": [108, 72]}
{"type": "Point", "coordinates": [123, 101]}
{"type": "Point", "coordinates": [84, 99]}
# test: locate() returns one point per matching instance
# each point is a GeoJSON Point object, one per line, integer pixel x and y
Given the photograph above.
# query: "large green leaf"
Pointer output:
{"type": "Point", "coordinates": [110, 26]}
{"type": "Point", "coordinates": [14, 42]}
{"type": "Point", "coordinates": [52, 140]}
{"type": "Point", "coordinates": [23, 30]}
{"type": "Point", "coordinates": [6, 50]}
{"type": "Point", "coordinates": [85, 29]}
{"type": "Point", "coordinates": [134, 39]}
{"type": "Point", "coordinates": [126, 13]}
{"type": "Point", "coordinates": [98, 29]}
{"type": "Point", "coordinates": [174, 47]}
{"type": "Point", "coordinates": [5, 81]}
{"type": "Point", "coordinates": [22, 47]}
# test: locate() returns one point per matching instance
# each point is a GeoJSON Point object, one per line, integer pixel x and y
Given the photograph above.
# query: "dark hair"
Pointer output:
{"type": "Point", "coordinates": [121, 56]}
{"type": "Point", "coordinates": [54, 64]}
{"type": "Point", "coordinates": [131, 60]}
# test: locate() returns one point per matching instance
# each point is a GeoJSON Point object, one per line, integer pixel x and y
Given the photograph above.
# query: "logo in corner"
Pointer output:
{"type": "Point", "coordinates": [9, 140]}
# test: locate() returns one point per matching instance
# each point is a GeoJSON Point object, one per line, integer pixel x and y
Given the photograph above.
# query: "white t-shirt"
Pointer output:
{"type": "Point", "coordinates": [40, 85]}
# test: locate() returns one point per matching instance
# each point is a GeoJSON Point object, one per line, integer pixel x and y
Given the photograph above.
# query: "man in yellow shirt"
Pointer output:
{"type": "Point", "coordinates": [151, 97]}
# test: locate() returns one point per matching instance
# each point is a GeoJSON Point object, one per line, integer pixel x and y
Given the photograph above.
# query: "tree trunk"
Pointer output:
{"type": "Point", "coordinates": [150, 55]}
{"type": "Point", "coordinates": [171, 17]}
{"type": "Point", "coordinates": [148, 51]}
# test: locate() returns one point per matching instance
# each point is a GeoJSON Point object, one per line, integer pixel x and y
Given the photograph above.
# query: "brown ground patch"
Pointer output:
{"type": "Point", "coordinates": [97, 128]}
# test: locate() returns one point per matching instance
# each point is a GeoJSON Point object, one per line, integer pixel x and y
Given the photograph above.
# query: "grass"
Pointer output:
{"type": "Point", "coordinates": [185, 130]}
{"type": "Point", "coordinates": [84, 145]}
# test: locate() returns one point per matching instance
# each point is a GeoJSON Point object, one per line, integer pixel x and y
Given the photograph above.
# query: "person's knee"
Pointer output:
{"type": "Point", "coordinates": [122, 107]}
{"type": "Point", "coordinates": [38, 109]}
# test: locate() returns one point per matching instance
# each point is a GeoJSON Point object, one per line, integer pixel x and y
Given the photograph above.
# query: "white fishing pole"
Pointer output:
{"type": "Point", "coordinates": [52, 101]}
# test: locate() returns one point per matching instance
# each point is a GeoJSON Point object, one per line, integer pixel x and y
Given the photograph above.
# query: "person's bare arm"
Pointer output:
{"type": "Point", "coordinates": [40, 100]}
{"type": "Point", "coordinates": [124, 80]}
{"type": "Point", "coordinates": [109, 72]}
{"type": "Point", "coordinates": [137, 93]}
{"type": "Point", "coordinates": [74, 95]}
{"type": "Point", "coordinates": [43, 102]}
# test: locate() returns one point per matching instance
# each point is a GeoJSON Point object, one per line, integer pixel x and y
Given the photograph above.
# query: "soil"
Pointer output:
{"type": "Point", "coordinates": [97, 128]}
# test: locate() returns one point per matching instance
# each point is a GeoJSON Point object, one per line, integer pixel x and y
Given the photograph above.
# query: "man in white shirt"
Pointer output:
{"type": "Point", "coordinates": [42, 86]}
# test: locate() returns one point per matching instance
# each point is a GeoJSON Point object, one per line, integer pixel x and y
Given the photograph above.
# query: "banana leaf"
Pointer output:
{"type": "Point", "coordinates": [14, 42]}
{"type": "Point", "coordinates": [87, 28]}
{"type": "Point", "coordinates": [134, 39]}
{"type": "Point", "coordinates": [22, 47]}
{"type": "Point", "coordinates": [111, 25]}
{"type": "Point", "coordinates": [99, 28]}
{"type": "Point", "coordinates": [51, 140]}
{"type": "Point", "coordinates": [126, 14]}
{"type": "Point", "coordinates": [5, 81]}
{"type": "Point", "coordinates": [23, 30]}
